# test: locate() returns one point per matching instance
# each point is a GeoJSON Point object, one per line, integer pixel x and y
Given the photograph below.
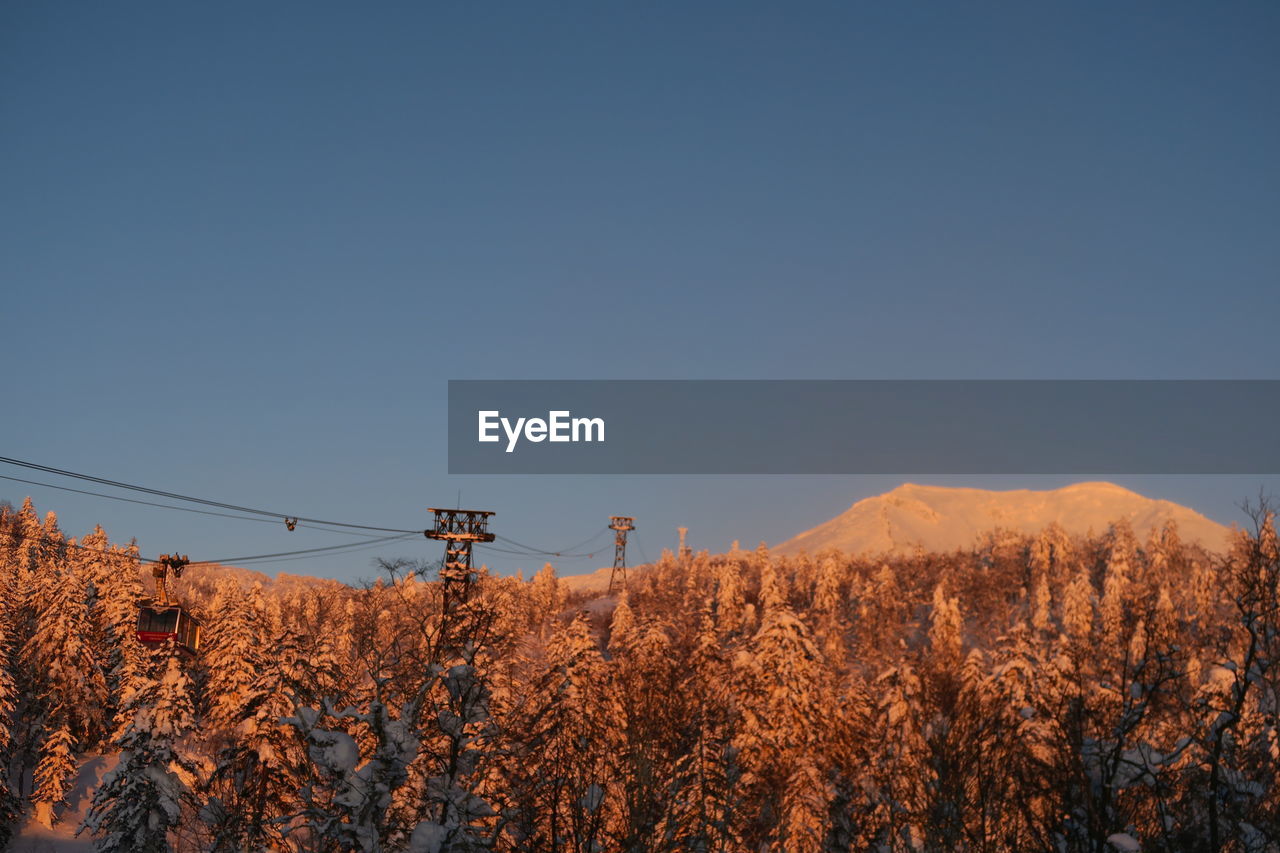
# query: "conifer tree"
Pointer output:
{"type": "Point", "coordinates": [113, 570]}
{"type": "Point", "coordinates": [1116, 590]}
{"type": "Point", "coordinates": [1077, 607]}
{"type": "Point", "coordinates": [547, 595]}
{"type": "Point", "coordinates": [56, 769]}
{"type": "Point", "coordinates": [621, 626]}
{"type": "Point", "coordinates": [30, 537]}
{"type": "Point", "coordinates": [781, 682]}
{"type": "Point", "coordinates": [829, 613]}
{"type": "Point", "coordinates": [882, 611]}
{"type": "Point", "coordinates": [827, 599]}
{"type": "Point", "coordinates": [234, 654]}
{"type": "Point", "coordinates": [260, 772]}
{"type": "Point", "coordinates": [946, 627]}
{"type": "Point", "coordinates": [345, 807]}
{"type": "Point", "coordinates": [730, 600]}
{"type": "Point", "coordinates": [9, 803]}
{"type": "Point", "coordinates": [1234, 794]}
{"type": "Point", "coordinates": [559, 776]}
{"type": "Point", "coordinates": [140, 801]}
{"type": "Point", "coordinates": [459, 733]}
{"type": "Point", "coordinates": [1053, 554]}
{"type": "Point", "coordinates": [73, 697]}
{"type": "Point", "coordinates": [773, 583]}
{"type": "Point", "coordinates": [898, 765]}
{"type": "Point", "coordinates": [1042, 603]}
{"type": "Point", "coordinates": [58, 647]}
{"type": "Point", "coordinates": [653, 734]}
{"type": "Point", "coordinates": [707, 776]}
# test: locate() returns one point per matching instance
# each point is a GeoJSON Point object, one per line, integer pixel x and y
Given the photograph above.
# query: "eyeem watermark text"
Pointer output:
{"type": "Point", "coordinates": [557, 426]}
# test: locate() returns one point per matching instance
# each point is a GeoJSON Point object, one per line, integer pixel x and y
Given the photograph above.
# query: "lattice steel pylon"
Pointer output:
{"type": "Point", "coordinates": [460, 529]}
{"type": "Point", "coordinates": [620, 524]}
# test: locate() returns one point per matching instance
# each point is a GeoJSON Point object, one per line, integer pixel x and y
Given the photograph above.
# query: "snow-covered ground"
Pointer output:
{"type": "Point", "coordinates": [33, 837]}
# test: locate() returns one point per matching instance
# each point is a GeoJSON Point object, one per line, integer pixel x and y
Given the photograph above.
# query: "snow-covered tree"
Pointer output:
{"type": "Point", "coordinates": [782, 705]}
{"type": "Point", "coordinates": [113, 572]}
{"type": "Point", "coordinates": [234, 654]}
{"type": "Point", "coordinates": [459, 733]}
{"type": "Point", "coordinates": [1234, 793]}
{"type": "Point", "coordinates": [345, 808]}
{"type": "Point", "coordinates": [1042, 604]}
{"type": "Point", "coordinates": [946, 627]}
{"type": "Point", "coordinates": [828, 600]}
{"type": "Point", "coordinates": [141, 800]}
{"type": "Point", "coordinates": [774, 585]}
{"type": "Point", "coordinates": [1117, 586]}
{"type": "Point", "coordinates": [882, 611]}
{"type": "Point", "coordinates": [60, 648]}
{"type": "Point", "coordinates": [706, 778]}
{"type": "Point", "coordinates": [621, 625]}
{"type": "Point", "coordinates": [56, 769]}
{"type": "Point", "coordinates": [73, 698]}
{"type": "Point", "coordinates": [730, 598]}
{"type": "Point", "coordinates": [547, 596]}
{"type": "Point", "coordinates": [647, 684]}
{"type": "Point", "coordinates": [9, 698]}
{"type": "Point", "coordinates": [558, 779]}
{"type": "Point", "coordinates": [1077, 607]}
{"type": "Point", "coordinates": [259, 773]}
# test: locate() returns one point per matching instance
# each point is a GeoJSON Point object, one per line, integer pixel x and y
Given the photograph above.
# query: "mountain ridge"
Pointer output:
{"type": "Point", "coordinates": [944, 518]}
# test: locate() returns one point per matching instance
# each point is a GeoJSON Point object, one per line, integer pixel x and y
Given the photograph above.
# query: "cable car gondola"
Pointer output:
{"type": "Point", "coordinates": [158, 625]}
{"type": "Point", "coordinates": [160, 621]}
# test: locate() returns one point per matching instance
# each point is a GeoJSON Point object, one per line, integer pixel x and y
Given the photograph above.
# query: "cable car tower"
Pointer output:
{"type": "Point", "coordinates": [460, 529]}
{"type": "Point", "coordinates": [620, 524]}
{"type": "Point", "coordinates": [160, 620]}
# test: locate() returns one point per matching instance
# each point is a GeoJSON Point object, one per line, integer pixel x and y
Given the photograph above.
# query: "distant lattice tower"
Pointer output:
{"type": "Point", "coordinates": [620, 524]}
{"type": "Point", "coordinates": [460, 529]}
{"type": "Point", "coordinates": [685, 551]}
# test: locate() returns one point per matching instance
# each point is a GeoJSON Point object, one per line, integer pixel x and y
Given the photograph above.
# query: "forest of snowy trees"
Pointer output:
{"type": "Point", "coordinates": [1043, 693]}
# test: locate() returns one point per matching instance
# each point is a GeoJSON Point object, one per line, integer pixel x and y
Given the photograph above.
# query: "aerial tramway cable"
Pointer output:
{"type": "Point", "coordinates": [255, 519]}
{"type": "Point", "coordinates": [264, 558]}
{"type": "Point", "coordinates": [527, 554]}
{"type": "Point", "coordinates": [529, 550]}
{"type": "Point", "coordinates": [346, 546]}
{"type": "Point", "coordinates": [190, 499]}
{"type": "Point", "coordinates": [136, 501]}
{"type": "Point", "coordinates": [244, 513]}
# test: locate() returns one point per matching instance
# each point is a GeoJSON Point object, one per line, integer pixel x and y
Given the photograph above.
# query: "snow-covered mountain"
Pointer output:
{"type": "Point", "coordinates": [597, 581]}
{"type": "Point", "coordinates": [938, 518]}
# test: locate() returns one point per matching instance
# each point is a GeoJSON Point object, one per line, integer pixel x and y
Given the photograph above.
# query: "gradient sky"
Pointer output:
{"type": "Point", "coordinates": [244, 245]}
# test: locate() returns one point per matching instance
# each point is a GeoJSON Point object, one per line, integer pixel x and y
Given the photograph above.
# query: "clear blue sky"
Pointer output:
{"type": "Point", "coordinates": [244, 245]}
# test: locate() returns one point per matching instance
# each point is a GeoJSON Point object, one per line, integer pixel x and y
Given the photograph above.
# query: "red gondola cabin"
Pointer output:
{"type": "Point", "coordinates": [157, 625]}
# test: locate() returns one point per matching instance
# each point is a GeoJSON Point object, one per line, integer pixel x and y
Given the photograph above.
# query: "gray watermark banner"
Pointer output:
{"type": "Point", "coordinates": [864, 427]}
